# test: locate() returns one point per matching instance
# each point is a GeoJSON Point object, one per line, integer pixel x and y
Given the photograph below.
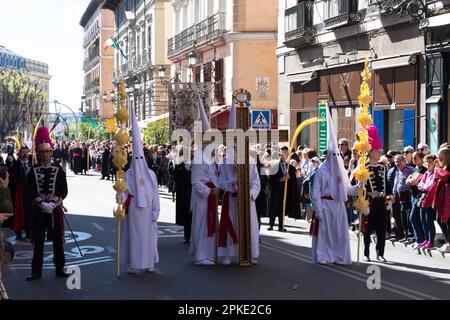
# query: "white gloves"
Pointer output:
{"type": "Point", "coordinates": [47, 207]}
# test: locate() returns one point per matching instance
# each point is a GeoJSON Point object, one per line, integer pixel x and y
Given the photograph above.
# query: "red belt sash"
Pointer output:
{"type": "Point", "coordinates": [127, 204]}
{"type": "Point", "coordinates": [314, 228]}
{"type": "Point", "coordinates": [76, 154]}
{"type": "Point", "coordinates": [226, 226]}
{"type": "Point", "coordinates": [19, 210]}
{"type": "Point", "coordinates": [211, 213]}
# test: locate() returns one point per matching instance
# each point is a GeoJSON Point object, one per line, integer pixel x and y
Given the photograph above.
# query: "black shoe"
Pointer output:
{"type": "Point", "coordinates": [282, 230]}
{"type": "Point", "coordinates": [33, 277]}
{"type": "Point", "coordinates": [381, 259]}
{"type": "Point", "coordinates": [366, 258]}
{"type": "Point", "coordinates": [62, 274]}
{"type": "Point", "coordinates": [102, 178]}
{"type": "Point", "coordinates": [270, 228]}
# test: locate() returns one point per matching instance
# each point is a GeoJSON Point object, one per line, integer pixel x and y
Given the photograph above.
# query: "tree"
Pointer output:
{"type": "Point", "coordinates": [157, 132]}
{"type": "Point", "coordinates": [87, 132]}
{"type": "Point", "coordinates": [22, 101]}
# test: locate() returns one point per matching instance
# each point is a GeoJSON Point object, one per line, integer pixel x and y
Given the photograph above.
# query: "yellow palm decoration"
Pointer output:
{"type": "Point", "coordinates": [120, 158]}
{"type": "Point", "coordinates": [363, 145]}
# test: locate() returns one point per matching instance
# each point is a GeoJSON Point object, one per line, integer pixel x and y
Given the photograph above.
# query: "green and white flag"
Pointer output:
{"type": "Point", "coordinates": [112, 42]}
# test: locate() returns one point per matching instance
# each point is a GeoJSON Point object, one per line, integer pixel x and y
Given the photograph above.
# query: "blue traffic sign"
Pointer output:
{"type": "Point", "coordinates": [260, 119]}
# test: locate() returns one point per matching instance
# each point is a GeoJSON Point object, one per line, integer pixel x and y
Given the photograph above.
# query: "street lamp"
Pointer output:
{"type": "Point", "coordinates": [76, 118]}
{"type": "Point", "coordinates": [192, 58]}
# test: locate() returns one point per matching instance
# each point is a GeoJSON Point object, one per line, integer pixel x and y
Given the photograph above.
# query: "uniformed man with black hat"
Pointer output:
{"type": "Point", "coordinates": [378, 192]}
{"type": "Point", "coordinates": [48, 187]}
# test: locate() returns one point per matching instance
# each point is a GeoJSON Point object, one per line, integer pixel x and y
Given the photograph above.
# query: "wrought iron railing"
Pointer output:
{"type": "Point", "coordinates": [90, 62]}
{"type": "Point", "coordinates": [208, 29]}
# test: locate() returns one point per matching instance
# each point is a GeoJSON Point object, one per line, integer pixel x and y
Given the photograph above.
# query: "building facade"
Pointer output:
{"type": "Point", "coordinates": [142, 29]}
{"type": "Point", "coordinates": [10, 60]}
{"type": "Point", "coordinates": [98, 64]}
{"type": "Point", "coordinates": [321, 50]}
{"type": "Point", "coordinates": [437, 48]}
{"type": "Point", "coordinates": [233, 43]}
{"type": "Point", "coordinates": [40, 77]}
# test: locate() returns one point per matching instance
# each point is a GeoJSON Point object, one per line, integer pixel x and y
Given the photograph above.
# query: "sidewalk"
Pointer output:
{"type": "Point", "coordinates": [429, 253]}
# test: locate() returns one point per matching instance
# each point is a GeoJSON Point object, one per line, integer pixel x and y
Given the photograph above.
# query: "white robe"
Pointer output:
{"type": "Point", "coordinates": [201, 246]}
{"type": "Point", "coordinates": [139, 234]}
{"type": "Point", "coordinates": [332, 243]}
{"type": "Point", "coordinates": [228, 183]}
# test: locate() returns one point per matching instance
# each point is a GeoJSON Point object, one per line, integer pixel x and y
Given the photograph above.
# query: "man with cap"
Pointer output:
{"type": "Point", "coordinates": [228, 229]}
{"type": "Point", "coordinates": [203, 202]}
{"type": "Point", "coordinates": [378, 192]}
{"type": "Point", "coordinates": [48, 187]}
{"type": "Point", "coordinates": [330, 191]}
{"type": "Point", "coordinates": [139, 241]}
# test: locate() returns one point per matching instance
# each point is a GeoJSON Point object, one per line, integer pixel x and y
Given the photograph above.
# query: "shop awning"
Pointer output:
{"type": "Point", "coordinates": [437, 21]}
{"type": "Point", "coordinates": [394, 62]}
{"type": "Point", "coordinates": [433, 99]}
{"type": "Point", "coordinates": [301, 77]}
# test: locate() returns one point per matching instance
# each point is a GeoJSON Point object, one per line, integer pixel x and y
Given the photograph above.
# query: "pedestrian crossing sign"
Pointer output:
{"type": "Point", "coordinates": [260, 119]}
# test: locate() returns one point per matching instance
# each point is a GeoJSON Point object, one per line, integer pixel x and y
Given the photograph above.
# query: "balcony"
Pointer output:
{"type": "Point", "coordinates": [91, 62]}
{"type": "Point", "coordinates": [299, 25]}
{"type": "Point", "coordinates": [415, 8]}
{"type": "Point", "coordinates": [207, 30]}
{"type": "Point", "coordinates": [340, 12]}
{"type": "Point", "coordinates": [92, 86]}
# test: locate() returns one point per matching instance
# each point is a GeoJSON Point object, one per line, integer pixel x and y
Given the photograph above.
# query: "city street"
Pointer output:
{"type": "Point", "coordinates": [284, 272]}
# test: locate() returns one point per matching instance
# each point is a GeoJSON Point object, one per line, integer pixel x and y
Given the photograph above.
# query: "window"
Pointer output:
{"type": "Point", "coordinates": [395, 134]}
{"type": "Point", "coordinates": [149, 46]}
{"type": "Point", "coordinates": [207, 72]}
{"type": "Point", "coordinates": [130, 5]}
{"type": "Point", "coordinates": [303, 139]}
{"type": "Point", "coordinates": [185, 17]}
{"type": "Point", "coordinates": [334, 8]}
{"type": "Point", "coordinates": [218, 78]}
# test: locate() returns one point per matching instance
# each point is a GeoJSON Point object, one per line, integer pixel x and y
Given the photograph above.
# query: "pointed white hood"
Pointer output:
{"type": "Point", "coordinates": [139, 179]}
{"type": "Point", "coordinates": [232, 118]}
{"type": "Point", "coordinates": [339, 181]}
{"type": "Point", "coordinates": [203, 116]}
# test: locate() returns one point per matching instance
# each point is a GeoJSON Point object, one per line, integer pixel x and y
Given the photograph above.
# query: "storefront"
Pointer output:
{"type": "Point", "coordinates": [395, 88]}
{"type": "Point", "coordinates": [396, 99]}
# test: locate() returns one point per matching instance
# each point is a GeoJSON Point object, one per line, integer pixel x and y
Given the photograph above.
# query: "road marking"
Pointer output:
{"type": "Point", "coordinates": [68, 263]}
{"type": "Point", "coordinates": [413, 294]}
{"type": "Point", "coordinates": [111, 249]}
{"type": "Point", "coordinates": [76, 264]}
{"type": "Point", "coordinates": [98, 226]}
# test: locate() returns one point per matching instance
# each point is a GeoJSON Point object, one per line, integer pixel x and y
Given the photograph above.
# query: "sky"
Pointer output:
{"type": "Point", "coordinates": [48, 31]}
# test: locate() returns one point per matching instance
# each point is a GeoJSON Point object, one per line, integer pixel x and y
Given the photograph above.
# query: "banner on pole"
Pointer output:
{"type": "Point", "coordinates": [322, 113]}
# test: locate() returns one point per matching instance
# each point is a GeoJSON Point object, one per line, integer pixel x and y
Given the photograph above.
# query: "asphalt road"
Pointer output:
{"type": "Point", "coordinates": [284, 272]}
